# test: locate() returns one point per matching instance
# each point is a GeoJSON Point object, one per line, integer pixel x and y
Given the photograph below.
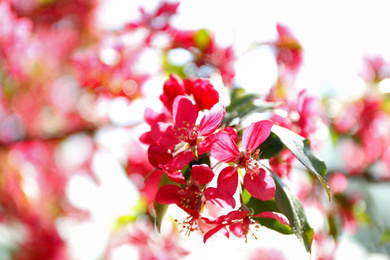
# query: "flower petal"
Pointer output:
{"type": "Point", "coordinates": [215, 197]}
{"type": "Point", "coordinates": [169, 194]}
{"type": "Point", "coordinates": [275, 215]}
{"type": "Point", "coordinates": [228, 181]}
{"type": "Point", "coordinates": [202, 174]}
{"type": "Point", "coordinates": [211, 121]}
{"type": "Point", "coordinates": [237, 229]}
{"type": "Point", "coordinates": [158, 155]}
{"type": "Point", "coordinates": [232, 132]}
{"type": "Point", "coordinates": [205, 145]}
{"type": "Point", "coordinates": [179, 161]}
{"type": "Point", "coordinates": [184, 111]}
{"type": "Point", "coordinates": [152, 117]}
{"type": "Point", "coordinates": [224, 149]}
{"type": "Point", "coordinates": [255, 134]}
{"type": "Point", "coordinates": [213, 231]}
{"type": "Point", "coordinates": [176, 176]}
{"type": "Point", "coordinates": [260, 185]}
{"type": "Point", "coordinates": [204, 93]}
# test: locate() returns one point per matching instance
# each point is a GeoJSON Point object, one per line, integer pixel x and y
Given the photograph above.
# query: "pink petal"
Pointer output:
{"type": "Point", "coordinates": [338, 182]}
{"type": "Point", "coordinates": [237, 229]}
{"type": "Point", "coordinates": [236, 215]}
{"type": "Point", "coordinates": [150, 187]}
{"type": "Point", "coordinates": [275, 215]}
{"type": "Point", "coordinates": [152, 116]}
{"type": "Point", "coordinates": [205, 145]}
{"type": "Point", "coordinates": [179, 161]}
{"type": "Point", "coordinates": [158, 155]}
{"type": "Point", "coordinates": [169, 194]}
{"type": "Point", "coordinates": [202, 174]}
{"type": "Point", "coordinates": [255, 134]}
{"type": "Point", "coordinates": [215, 197]}
{"type": "Point", "coordinates": [211, 121]}
{"type": "Point", "coordinates": [231, 216]}
{"type": "Point", "coordinates": [213, 231]}
{"type": "Point", "coordinates": [174, 86]}
{"type": "Point", "coordinates": [232, 132]}
{"type": "Point", "coordinates": [176, 176]}
{"type": "Point", "coordinates": [228, 181]}
{"type": "Point", "coordinates": [224, 149]}
{"type": "Point", "coordinates": [204, 94]}
{"type": "Point", "coordinates": [261, 185]}
{"type": "Point", "coordinates": [147, 138]}
{"type": "Point", "coordinates": [184, 111]}
{"type": "Point", "coordinates": [163, 135]}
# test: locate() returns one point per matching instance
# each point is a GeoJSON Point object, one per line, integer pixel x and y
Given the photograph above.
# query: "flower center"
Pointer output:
{"type": "Point", "coordinates": [187, 133]}
{"type": "Point", "coordinates": [249, 161]}
{"type": "Point", "coordinates": [190, 197]}
{"type": "Point", "coordinates": [190, 224]}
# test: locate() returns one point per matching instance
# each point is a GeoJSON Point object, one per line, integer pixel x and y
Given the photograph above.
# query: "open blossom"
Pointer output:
{"type": "Point", "coordinates": [239, 222]}
{"type": "Point", "coordinates": [257, 181]}
{"type": "Point", "coordinates": [191, 138]}
{"type": "Point", "coordinates": [187, 196]}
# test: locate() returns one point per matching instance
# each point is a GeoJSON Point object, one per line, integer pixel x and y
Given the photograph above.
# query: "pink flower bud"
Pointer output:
{"type": "Point", "coordinates": [205, 94]}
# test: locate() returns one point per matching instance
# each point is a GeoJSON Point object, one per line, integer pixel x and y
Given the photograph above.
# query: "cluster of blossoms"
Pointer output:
{"type": "Point", "coordinates": [189, 147]}
{"type": "Point", "coordinates": [367, 140]}
{"type": "Point", "coordinates": [58, 68]}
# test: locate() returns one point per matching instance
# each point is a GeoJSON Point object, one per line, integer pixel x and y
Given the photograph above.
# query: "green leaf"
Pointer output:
{"type": "Point", "coordinates": [160, 213]}
{"type": "Point", "coordinates": [270, 147]}
{"type": "Point", "coordinates": [333, 230]}
{"type": "Point", "coordinates": [250, 109]}
{"type": "Point", "coordinates": [186, 171]}
{"type": "Point", "coordinates": [137, 211]}
{"type": "Point", "coordinates": [292, 208]}
{"type": "Point", "coordinates": [300, 147]}
{"type": "Point", "coordinates": [262, 206]}
{"type": "Point", "coordinates": [170, 68]}
{"type": "Point", "coordinates": [202, 39]}
{"type": "Point", "coordinates": [246, 110]}
{"type": "Point", "coordinates": [385, 238]}
{"type": "Point", "coordinates": [160, 208]}
{"type": "Point", "coordinates": [238, 99]}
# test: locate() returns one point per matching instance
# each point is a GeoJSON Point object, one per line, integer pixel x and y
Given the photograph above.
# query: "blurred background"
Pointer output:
{"type": "Point", "coordinates": [77, 75]}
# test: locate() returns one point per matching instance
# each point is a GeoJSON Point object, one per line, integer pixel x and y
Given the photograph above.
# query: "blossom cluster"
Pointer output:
{"type": "Point", "coordinates": [60, 73]}
{"type": "Point", "coordinates": [190, 143]}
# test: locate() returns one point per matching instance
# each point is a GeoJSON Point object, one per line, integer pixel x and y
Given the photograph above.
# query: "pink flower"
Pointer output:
{"type": "Point", "coordinates": [375, 69]}
{"type": "Point", "coordinates": [238, 222]}
{"type": "Point", "coordinates": [192, 137]}
{"type": "Point", "coordinates": [338, 182]}
{"type": "Point", "coordinates": [189, 195]}
{"type": "Point", "coordinates": [204, 94]}
{"type": "Point", "coordinates": [173, 87]}
{"type": "Point", "coordinates": [289, 51]}
{"type": "Point", "coordinates": [257, 181]}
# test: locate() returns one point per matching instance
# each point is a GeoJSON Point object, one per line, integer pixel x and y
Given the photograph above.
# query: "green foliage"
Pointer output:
{"type": "Point", "coordinates": [137, 211]}
{"type": "Point", "coordinates": [292, 208]}
{"type": "Point", "coordinates": [242, 105]}
{"type": "Point", "coordinates": [202, 39]}
{"type": "Point", "coordinates": [300, 147]}
{"type": "Point", "coordinates": [385, 238]}
{"type": "Point", "coordinates": [170, 68]}
{"type": "Point", "coordinates": [161, 209]}
{"type": "Point", "coordinates": [259, 206]}
{"type": "Point", "coordinates": [270, 147]}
